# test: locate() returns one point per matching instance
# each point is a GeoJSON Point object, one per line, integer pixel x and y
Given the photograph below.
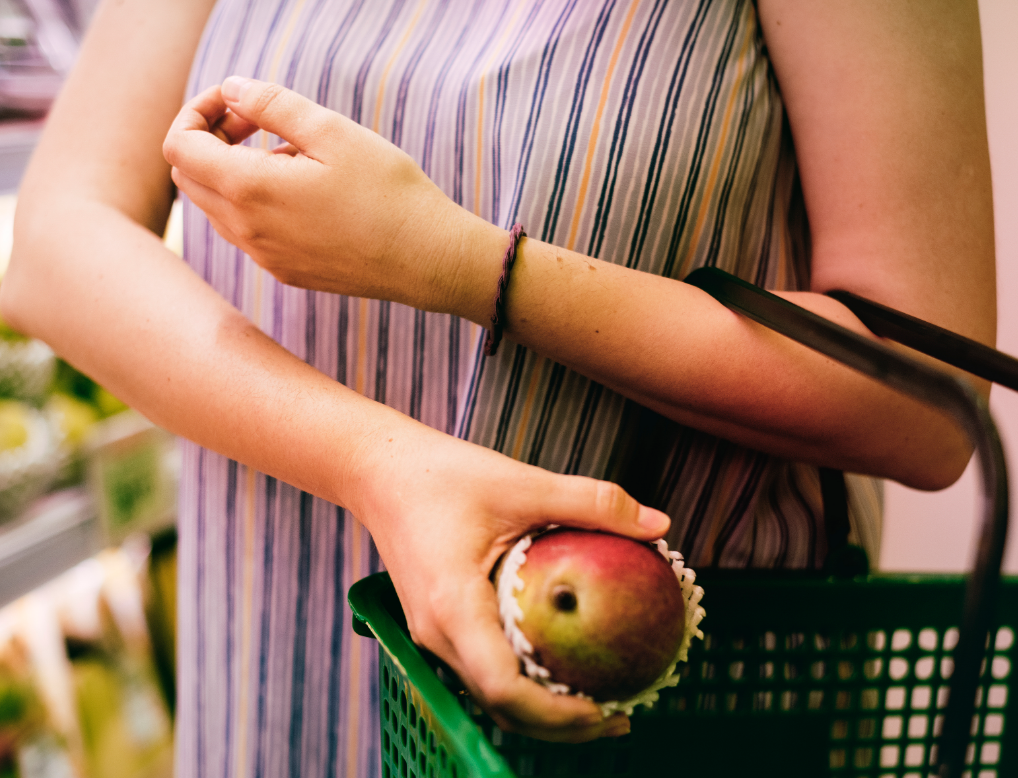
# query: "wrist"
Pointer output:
{"type": "Point", "coordinates": [461, 262]}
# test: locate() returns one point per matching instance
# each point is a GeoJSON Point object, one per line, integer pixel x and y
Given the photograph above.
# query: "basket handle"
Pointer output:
{"type": "Point", "coordinates": [936, 388]}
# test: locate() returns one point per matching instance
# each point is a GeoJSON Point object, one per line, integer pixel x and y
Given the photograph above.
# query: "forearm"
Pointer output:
{"type": "Point", "coordinates": [104, 292]}
{"type": "Point", "coordinates": [673, 348]}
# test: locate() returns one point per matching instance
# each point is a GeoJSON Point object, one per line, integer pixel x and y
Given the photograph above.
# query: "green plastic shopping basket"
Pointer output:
{"type": "Point", "coordinates": [884, 676]}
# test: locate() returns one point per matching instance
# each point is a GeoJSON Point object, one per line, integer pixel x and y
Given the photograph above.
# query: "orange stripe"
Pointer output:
{"type": "Point", "coordinates": [495, 51]}
{"type": "Point", "coordinates": [392, 60]}
{"type": "Point", "coordinates": [596, 129]}
{"type": "Point", "coordinates": [705, 200]}
{"type": "Point", "coordinates": [528, 404]}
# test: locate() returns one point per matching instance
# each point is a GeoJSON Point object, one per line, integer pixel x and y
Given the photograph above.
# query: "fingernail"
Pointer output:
{"type": "Point", "coordinates": [232, 87]}
{"type": "Point", "coordinates": [653, 521]}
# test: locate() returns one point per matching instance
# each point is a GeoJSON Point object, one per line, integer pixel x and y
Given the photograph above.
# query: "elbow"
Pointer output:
{"type": "Point", "coordinates": [933, 472]}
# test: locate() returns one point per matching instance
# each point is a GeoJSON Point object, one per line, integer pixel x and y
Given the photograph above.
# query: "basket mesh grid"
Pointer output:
{"type": "Point", "coordinates": [846, 703]}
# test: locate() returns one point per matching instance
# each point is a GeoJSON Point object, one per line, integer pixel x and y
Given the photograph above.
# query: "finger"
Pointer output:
{"type": "Point", "coordinates": [578, 501]}
{"type": "Point", "coordinates": [233, 129]}
{"type": "Point", "coordinates": [286, 148]}
{"type": "Point", "coordinates": [486, 663]}
{"type": "Point", "coordinates": [211, 202]}
{"type": "Point", "coordinates": [210, 161]}
{"type": "Point", "coordinates": [614, 726]}
{"type": "Point", "coordinates": [201, 112]}
{"type": "Point", "coordinates": [280, 111]}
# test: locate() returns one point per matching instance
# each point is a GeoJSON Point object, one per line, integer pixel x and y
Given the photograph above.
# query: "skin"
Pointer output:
{"type": "Point", "coordinates": [891, 140]}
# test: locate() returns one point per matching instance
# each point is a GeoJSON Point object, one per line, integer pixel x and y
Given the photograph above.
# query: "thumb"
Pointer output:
{"type": "Point", "coordinates": [577, 501]}
{"type": "Point", "coordinates": [278, 110]}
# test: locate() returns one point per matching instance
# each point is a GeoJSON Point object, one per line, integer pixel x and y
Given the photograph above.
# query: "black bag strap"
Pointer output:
{"type": "Point", "coordinates": [950, 394]}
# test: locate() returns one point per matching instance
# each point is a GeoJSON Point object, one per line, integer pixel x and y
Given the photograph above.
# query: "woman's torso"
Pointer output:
{"type": "Point", "coordinates": [646, 133]}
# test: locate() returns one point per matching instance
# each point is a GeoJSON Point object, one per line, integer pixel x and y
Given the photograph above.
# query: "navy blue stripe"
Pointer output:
{"type": "Point", "coordinates": [473, 390]}
{"type": "Point", "coordinates": [202, 611]}
{"type": "Point", "coordinates": [300, 44]}
{"type": "Point", "coordinates": [417, 364]}
{"type": "Point", "coordinates": [691, 532]}
{"type": "Point", "coordinates": [325, 80]}
{"type": "Point", "coordinates": [621, 131]}
{"type": "Point", "coordinates": [276, 17]}
{"type": "Point", "coordinates": [664, 133]}
{"type": "Point", "coordinates": [300, 636]}
{"type": "Point", "coordinates": [587, 414]}
{"type": "Point", "coordinates": [336, 643]}
{"type": "Point", "coordinates": [436, 92]}
{"type": "Point", "coordinates": [369, 59]}
{"type": "Point", "coordinates": [231, 604]}
{"type": "Point", "coordinates": [342, 334]}
{"type": "Point", "coordinates": [271, 511]}
{"type": "Point", "coordinates": [310, 327]}
{"type": "Point", "coordinates": [734, 160]}
{"type": "Point", "coordinates": [781, 558]}
{"type": "Point", "coordinates": [239, 263]}
{"type": "Point", "coordinates": [536, 104]}
{"type": "Point", "coordinates": [700, 149]}
{"type": "Point", "coordinates": [382, 351]}
{"type": "Point", "coordinates": [239, 40]}
{"type": "Point", "coordinates": [466, 90]}
{"type": "Point", "coordinates": [740, 509]}
{"type": "Point", "coordinates": [501, 92]}
{"type": "Point", "coordinates": [452, 388]}
{"type": "Point", "coordinates": [415, 59]}
{"type": "Point", "coordinates": [512, 391]}
{"type": "Point", "coordinates": [558, 372]}
{"type": "Point", "coordinates": [573, 123]}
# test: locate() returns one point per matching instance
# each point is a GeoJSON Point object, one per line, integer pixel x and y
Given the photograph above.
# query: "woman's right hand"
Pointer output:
{"type": "Point", "coordinates": [442, 512]}
{"type": "Point", "coordinates": [337, 207]}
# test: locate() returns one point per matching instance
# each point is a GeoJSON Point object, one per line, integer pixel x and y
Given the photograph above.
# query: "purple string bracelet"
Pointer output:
{"type": "Point", "coordinates": [494, 336]}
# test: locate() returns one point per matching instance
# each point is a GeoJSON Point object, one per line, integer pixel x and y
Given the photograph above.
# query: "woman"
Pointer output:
{"type": "Point", "coordinates": [651, 136]}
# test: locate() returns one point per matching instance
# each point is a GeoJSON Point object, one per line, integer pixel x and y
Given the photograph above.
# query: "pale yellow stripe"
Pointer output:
{"type": "Point", "coordinates": [495, 51]}
{"type": "Point", "coordinates": [596, 129]}
{"type": "Point", "coordinates": [712, 177]}
{"type": "Point", "coordinates": [249, 508]}
{"type": "Point", "coordinates": [354, 713]}
{"type": "Point", "coordinates": [388, 66]}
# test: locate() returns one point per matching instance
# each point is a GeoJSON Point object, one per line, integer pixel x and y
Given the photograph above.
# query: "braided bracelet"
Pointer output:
{"type": "Point", "coordinates": [494, 336]}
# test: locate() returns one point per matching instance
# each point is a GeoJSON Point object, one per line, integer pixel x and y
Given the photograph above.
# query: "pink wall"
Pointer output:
{"type": "Point", "coordinates": [935, 531]}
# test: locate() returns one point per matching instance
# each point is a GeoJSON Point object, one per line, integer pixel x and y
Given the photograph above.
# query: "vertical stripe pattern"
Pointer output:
{"type": "Point", "coordinates": [648, 133]}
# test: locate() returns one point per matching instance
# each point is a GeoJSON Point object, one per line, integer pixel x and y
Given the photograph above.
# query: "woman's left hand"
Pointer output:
{"type": "Point", "coordinates": [336, 207]}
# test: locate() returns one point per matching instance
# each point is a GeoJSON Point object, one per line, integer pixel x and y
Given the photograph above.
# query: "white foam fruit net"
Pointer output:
{"type": "Point", "coordinates": [509, 583]}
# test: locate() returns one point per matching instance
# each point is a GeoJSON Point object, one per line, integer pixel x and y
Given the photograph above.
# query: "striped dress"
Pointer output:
{"type": "Point", "coordinates": [648, 133]}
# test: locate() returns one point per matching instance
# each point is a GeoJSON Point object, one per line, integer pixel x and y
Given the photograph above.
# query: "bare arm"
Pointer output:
{"type": "Point", "coordinates": [90, 276]}
{"type": "Point", "coordinates": [885, 105]}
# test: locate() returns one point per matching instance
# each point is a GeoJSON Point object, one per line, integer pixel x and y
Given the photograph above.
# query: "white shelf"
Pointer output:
{"type": "Point", "coordinates": [18, 138]}
{"type": "Point", "coordinates": [57, 532]}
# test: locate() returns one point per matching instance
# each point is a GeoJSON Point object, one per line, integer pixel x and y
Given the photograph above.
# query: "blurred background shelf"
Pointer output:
{"type": "Point", "coordinates": [57, 532]}
{"type": "Point", "coordinates": [18, 138]}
